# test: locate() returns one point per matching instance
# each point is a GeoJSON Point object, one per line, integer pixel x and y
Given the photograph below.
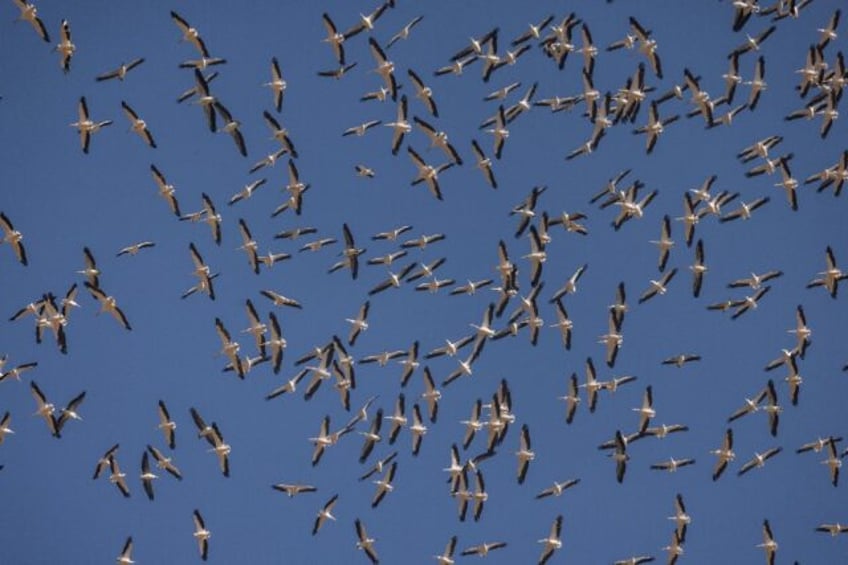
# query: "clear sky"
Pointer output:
{"type": "Point", "coordinates": [63, 200]}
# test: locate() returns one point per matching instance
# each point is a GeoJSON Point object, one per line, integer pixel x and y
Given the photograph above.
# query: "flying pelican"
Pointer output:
{"type": "Point", "coordinates": [325, 514]}
{"type": "Point", "coordinates": [125, 558]}
{"type": "Point", "coordinates": [121, 72]}
{"type": "Point", "coordinates": [428, 173]}
{"type": "Point", "coordinates": [748, 302]}
{"type": "Point", "coordinates": [768, 545]}
{"type": "Point", "coordinates": [45, 409]}
{"type": "Point", "coordinates": [103, 462]}
{"type": "Point", "coordinates": [13, 237]}
{"type": "Point", "coordinates": [384, 485]}
{"type": "Point", "coordinates": [424, 93]}
{"type": "Point", "coordinates": [118, 478]}
{"type": "Point", "coordinates": [29, 13]}
{"type": "Point", "coordinates": [69, 413]}
{"type": "Point", "coordinates": [724, 454]}
{"type": "Point", "coordinates": [108, 304]}
{"type": "Point", "coordinates": [201, 534]}
{"type": "Point", "coordinates": [658, 287]}
{"type": "Point", "coordinates": [166, 190]}
{"type": "Point", "coordinates": [758, 460]}
{"type": "Point", "coordinates": [404, 32]}
{"type": "Point", "coordinates": [831, 276]}
{"type": "Point", "coordinates": [365, 543]}
{"type": "Point", "coordinates": [446, 558]}
{"type": "Point", "coordinates": [147, 476]}
{"type": "Point", "coordinates": [138, 125]}
{"type": "Point", "coordinates": [552, 542]}
{"type": "Point", "coordinates": [165, 463]}
{"type": "Point", "coordinates": [417, 429]}
{"type": "Point", "coordinates": [66, 48]}
{"type": "Point", "coordinates": [86, 126]}
{"type": "Point", "coordinates": [221, 449]}
{"type": "Point", "coordinates": [524, 454]}
{"type": "Point", "coordinates": [483, 549]}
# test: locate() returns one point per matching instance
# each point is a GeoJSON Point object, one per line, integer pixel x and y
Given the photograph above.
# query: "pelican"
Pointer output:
{"type": "Point", "coordinates": [166, 190]}
{"type": "Point", "coordinates": [620, 456]}
{"type": "Point", "coordinates": [118, 478]}
{"type": "Point", "coordinates": [832, 529]}
{"type": "Point", "coordinates": [570, 286]}
{"type": "Point", "coordinates": [646, 411]}
{"type": "Point", "coordinates": [201, 534]}
{"type": "Point", "coordinates": [121, 72]}
{"type": "Point", "coordinates": [66, 48]}
{"type": "Point", "coordinates": [147, 477]}
{"type": "Point", "coordinates": [499, 132]}
{"type": "Point", "coordinates": [384, 485]}
{"type": "Point", "coordinates": [135, 248]}
{"type": "Point", "coordinates": [398, 418]}
{"type": "Point", "coordinates": [672, 464]}
{"type": "Point", "coordinates": [833, 461]}
{"type": "Point", "coordinates": [203, 273]}
{"type": "Point", "coordinates": [748, 302]}
{"type": "Point", "coordinates": [103, 462]}
{"type": "Point", "coordinates": [552, 542]}
{"type": "Point", "coordinates": [680, 360]}
{"type": "Point", "coordinates": [125, 558]}
{"type": "Point", "coordinates": [229, 347]}
{"type": "Point", "coordinates": [325, 514]}
{"type": "Point", "coordinates": [446, 558]}
{"type": "Point", "coordinates": [674, 549]}
{"type": "Point", "coordinates": [758, 85]}
{"type": "Point", "coordinates": [165, 463]}
{"type": "Point", "coordinates": [636, 560]}
{"type": "Point", "coordinates": [456, 67]}
{"type": "Point", "coordinates": [759, 460]}
{"type": "Point", "coordinates": [768, 545]}
{"type": "Point", "coordinates": [221, 449]}
{"type": "Point", "coordinates": [724, 454]}
{"type": "Point", "coordinates": [756, 280]}
{"type": "Point", "coordinates": [359, 324]}
{"type": "Point", "coordinates": [4, 426]}
{"type": "Point", "coordinates": [290, 385]}
{"type": "Point", "coordinates": [572, 399]}
{"type": "Point", "coordinates": [424, 93]}
{"type": "Point", "coordinates": [69, 413]}
{"type": "Point", "coordinates": [366, 23]}
{"type": "Point", "coordinates": [658, 287]}
{"type": "Point", "coordinates": [205, 99]}
{"type": "Point", "coordinates": [138, 125]}
{"type": "Point", "coordinates": [524, 454]}
{"type": "Point", "coordinates": [451, 348]}
{"type": "Point", "coordinates": [831, 276]}
{"type": "Point", "coordinates": [647, 46]}
{"type": "Point", "coordinates": [655, 127]}
{"type": "Point", "coordinates": [29, 13]}
{"type": "Point", "coordinates": [279, 133]}
{"type": "Point", "coordinates": [108, 304]}
{"type": "Point", "coordinates": [393, 281]}
{"type": "Point", "coordinates": [190, 33]}
{"type": "Point", "coordinates": [293, 489]}
{"type": "Point", "coordinates": [483, 549]}
{"type": "Point", "coordinates": [13, 237]}
{"type": "Point", "coordinates": [86, 126]}
{"type": "Point", "coordinates": [365, 543]}
{"type": "Point", "coordinates": [428, 173]}
{"type": "Point", "coordinates": [417, 429]}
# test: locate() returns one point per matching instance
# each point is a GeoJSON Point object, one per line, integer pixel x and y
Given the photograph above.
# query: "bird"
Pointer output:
{"type": "Point", "coordinates": [524, 454]}
{"type": "Point", "coordinates": [446, 557]}
{"type": "Point", "coordinates": [483, 549]}
{"type": "Point", "coordinates": [147, 477]}
{"type": "Point", "coordinates": [359, 324]}
{"type": "Point", "coordinates": [831, 276]}
{"type": "Point", "coordinates": [698, 269]}
{"type": "Point", "coordinates": [167, 425]}
{"type": "Point", "coordinates": [164, 462]}
{"type": "Point", "coordinates": [769, 545]}
{"type": "Point", "coordinates": [69, 412]}
{"type": "Point", "coordinates": [428, 173]}
{"type": "Point", "coordinates": [125, 558]}
{"type": "Point", "coordinates": [118, 478]}
{"type": "Point", "coordinates": [424, 93]}
{"type": "Point", "coordinates": [103, 462]}
{"type": "Point", "coordinates": [13, 237]}
{"type": "Point", "coordinates": [833, 461]}
{"type": "Point", "coordinates": [292, 490]}
{"type": "Point", "coordinates": [108, 304]}
{"type": "Point", "coordinates": [135, 248]}
{"type": "Point", "coordinates": [121, 72]}
{"type": "Point", "coordinates": [86, 126]}
{"type": "Point", "coordinates": [66, 47]}
{"type": "Point", "coordinates": [646, 411]}
{"type": "Point", "coordinates": [658, 287]}
{"type": "Point", "coordinates": [277, 84]}
{"type": "Point", "coordinates": [620, 456]}
{"type": "Point", "coordinates": [552, 542]}
{"type": "Point", "coordinates": [365, 543]}
{"type": "Point", "coordinates": [167, 191]}
{"type": "Point", "coordinates": [404, 32]}
{"type": "Point", "coordinates": [201, 534]}
{"type": "Point", "coordinates": [748, 302]}
{"type": "Point", "coordinates": [672, 464]}
{"type": "Point", "coordinates": [221, 449]}
{"type": "Point", "coordinates": [680, 360]}
{"type": "Point", "coordinates": [655, 127]}
{"type": "Point", "coordinates": [45, 409]}
{"type": "Point", "coordinates": [384, 485]}
{"type": "Point", "coordinates": [759, 460]}
{"type": "Point", "coordinates": [724, 454]}
{"type": "Point", "coordinates": [29, 13]}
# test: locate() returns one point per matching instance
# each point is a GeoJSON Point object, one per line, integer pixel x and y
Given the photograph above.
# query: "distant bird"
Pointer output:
{"type": "Point", "coordinates": [483, 549]}
{"type": "Point", "coordinates": [167, 191]}
{"type": "Point", "coordinates": [29, 13]}
{"type": "Point", "coordinates": [231, 126]}
{"type": "Point", "coordinates": [759, 460]}
{"type": "Point", "coordinates": [672, 464]}
{"type": "Point", "coordinates": [404, 32]}
{"type": "Point", "coordinates": [163, 462]}
{"type": "Point", "coordinates": [13, 237]}
{"type": "Point", "coordinates": [69, 412]}
{"type": "Point", "coordinates": [446, 558]}
{"type": "Point", "coordinates": [680, 360]}
{"type": "Point", "coordinates": [769, 545]}
{"type": "Point", "coordinates": [365, 543]}
{"type": "Point", "coordinates": [384, 485]}
{"type": "Point", "coordinates": [108, 304]}
{"type": "Point", "coordinates": [201, 534]}
{"type": "Point", "coordinates": [121, 72]}
{"type": "Point", "coordinates": [277, 84]}
{"type": "Point", "coordinates": [748, 302]}
{"type": "Point", "coordinates": [552, 542]}
{"type": "Point", "coordinates": [424, 93]}
{"type": "Point", "coordinates": [830, 277]}
{"type": "Point", "coordinates": [147, 477]}
{"type": "Point", "coordinates": [86, 126]}
{"type": "Point", "coordinates": [103, 462]}
{"type": "Point", "coordinates": [658, 287]}
{"type": "Point", "coordinates": [525, 454]}
{"type": "Point", "coordinates": [724, 454]}
{"type": "Point", "coordinates": [66, 47]}
{"type": "Point", "coordinates": [428, 173]}
{"type": "Point", "coordinates": [125, 558]}
{"type": "Point", "coordinates": [45, 409]}
{"type": "Point", "coordinates": [118, 478]}
{"type": "Point", "coordinates": [135, 248]}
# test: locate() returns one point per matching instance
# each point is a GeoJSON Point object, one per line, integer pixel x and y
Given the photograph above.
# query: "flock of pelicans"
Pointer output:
{"type": "Point", "coordinates": [517, 308]}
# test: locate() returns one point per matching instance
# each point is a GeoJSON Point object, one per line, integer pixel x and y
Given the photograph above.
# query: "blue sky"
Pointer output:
{"type": "Point", "coordinates": [63, 200]}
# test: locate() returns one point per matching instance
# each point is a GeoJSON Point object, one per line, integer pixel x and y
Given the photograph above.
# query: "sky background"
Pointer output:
{"type": "Point", "coordinates": [63, 200]}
